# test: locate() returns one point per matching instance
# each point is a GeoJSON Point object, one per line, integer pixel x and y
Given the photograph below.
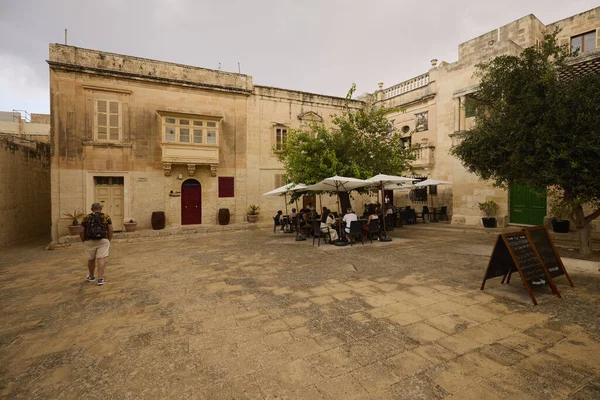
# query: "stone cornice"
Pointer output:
{"type": "Point", "coordinates": [139, 77]}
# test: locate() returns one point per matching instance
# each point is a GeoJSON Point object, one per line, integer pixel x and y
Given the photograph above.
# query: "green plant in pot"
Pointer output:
{"type": "Point", "coordinates": [253, 213]}
{"type": "Point", "coordinates": [74, 228]}
{"type": "Point", "coordinates": [490, 209]}
{"type": "Point", "coordinates": [560, 212]}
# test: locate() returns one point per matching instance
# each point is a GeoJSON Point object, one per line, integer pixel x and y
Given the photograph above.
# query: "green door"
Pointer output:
{"type": "Point", "coordinates": [526, 206]}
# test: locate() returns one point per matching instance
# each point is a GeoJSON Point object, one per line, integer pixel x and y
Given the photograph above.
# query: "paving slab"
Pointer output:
{"type": "Point", "coordinates": [245, 314]}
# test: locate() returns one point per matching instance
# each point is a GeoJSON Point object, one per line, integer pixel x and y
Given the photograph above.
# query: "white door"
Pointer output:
{"type": "Point", "coordinates": [111, 198]}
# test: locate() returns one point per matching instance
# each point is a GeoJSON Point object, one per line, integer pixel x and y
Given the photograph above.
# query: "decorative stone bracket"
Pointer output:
{"type": "Point", "coordinates": [167, 168]}
{"type": "Point", "coordinates": [213, 169]}
{"type": "Point", "coordinates": [191, 169]}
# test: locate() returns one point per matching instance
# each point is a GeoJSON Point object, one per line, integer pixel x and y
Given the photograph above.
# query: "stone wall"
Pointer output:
{"type": "Point", "coordinates": [24, 190]}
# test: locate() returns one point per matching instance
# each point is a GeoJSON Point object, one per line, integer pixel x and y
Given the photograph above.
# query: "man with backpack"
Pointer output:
{"type": "Point", "coordinates": [96, 236]}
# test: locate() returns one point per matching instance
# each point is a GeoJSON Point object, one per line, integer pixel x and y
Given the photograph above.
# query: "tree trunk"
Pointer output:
{"type": "Point", "coordinates": [344, 201]}
{"type": "Point", "coordinates": [583, 227]}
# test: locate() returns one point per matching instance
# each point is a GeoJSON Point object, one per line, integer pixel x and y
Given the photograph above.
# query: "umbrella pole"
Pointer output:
{"type": "Point", "coordinates": [285, 199]}
{"type": "Point", "coordinates": [386, 238]}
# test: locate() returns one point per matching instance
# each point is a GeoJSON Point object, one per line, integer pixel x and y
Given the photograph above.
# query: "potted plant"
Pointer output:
{"type": "Point", "coordinates": [489, 208]}
{"type": "Point", "coordinates": [253, 213]}
{"type": "Point", "coordinates": [560, 211]}
{"type": "Point", "coordinates": [130, 226]}
{"type": "Point", "coordinates": [75, 228]}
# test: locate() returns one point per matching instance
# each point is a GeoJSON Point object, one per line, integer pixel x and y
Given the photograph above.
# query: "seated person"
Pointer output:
{"type": "Point", "coordinates": [369, 218]}
{"type": "Point", "coordinates": [324, 214]}
{"type": "Point", "coordinates": [389, 210]}
{"type": "Point", "coordinates": [294, 213]}
{"type": "Point", "coordinates": [277, 221]}
{"type": "Point", "coordinates": [328, 226]}
{"type": "Point", "coordinates": [348, 218]}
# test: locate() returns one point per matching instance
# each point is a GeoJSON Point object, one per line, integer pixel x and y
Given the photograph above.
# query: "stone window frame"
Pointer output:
{"type": "Point", "coordinates": [279, 139]}
{"type": "Point", "coordinates": [203, 125]}
{"type": "Point", "coordinates": [583, 49]}
{"type": "Point", "coordinates": [107, 125]}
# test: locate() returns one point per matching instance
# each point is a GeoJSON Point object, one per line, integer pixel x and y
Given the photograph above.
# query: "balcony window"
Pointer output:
{"type": "Point", "coordinates": [190, 131]}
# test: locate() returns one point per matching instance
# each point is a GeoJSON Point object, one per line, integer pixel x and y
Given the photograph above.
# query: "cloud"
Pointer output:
{"type": "Point", "coordinates": [22, 87]}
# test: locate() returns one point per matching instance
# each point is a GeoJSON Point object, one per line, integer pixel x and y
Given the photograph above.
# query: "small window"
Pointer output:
{"type": "Point", "coordinates": [469, 108]}
{"type": "Point", "coordinates": [198, 123]}
{"type": "Point", "coordinates": [280, 137]}
{"type": "Point", "coordinates": [278, 180]}
{"type": "Point", "coordinates": [211, 124]}
{"type": "Point", "coordinates": [170, 133]}
{"type": "Point", "coordinates": [211, 137]}
{"type": "Point", "coordinates": [184, 135]}
{"type": "Point", "coordinates": [184, 122]}
{"type": "Point", "coordinates": [226, 186]}
{"type": "Point", "coordinates": [406, 142]}
{"type": "Point", "coordinates": [421, 121]}
{"type": "Point", "coordinates": [198, 136]}
{"type": "Point", "coordinates": [108, 121]}
{"type": "Point", "coordinates": [405, 129]}
{"type": "Point", "coordinates": [583, 43]}
{"type": "Point", "coordinates": [169, 120]}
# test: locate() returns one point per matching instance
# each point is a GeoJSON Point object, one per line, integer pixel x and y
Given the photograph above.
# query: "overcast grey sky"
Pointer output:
{"type": "Point", "coordinates": [310, 45]}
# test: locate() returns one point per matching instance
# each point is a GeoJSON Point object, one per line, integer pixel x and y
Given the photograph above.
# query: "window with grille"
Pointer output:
{"type": "Point", "coordinates": [190, 131]}
{"type": "Point", "coordinates": [280, 137]}
{"type": "Point", "coordinates": [108, 121]}
{"type": "Point", "coordinates": [421, 121]}
{"type": "Point", "coordinates": [226, 186]}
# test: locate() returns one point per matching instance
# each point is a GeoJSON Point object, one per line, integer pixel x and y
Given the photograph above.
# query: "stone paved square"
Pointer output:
{"type": "Point", "coordinates": [252, 315]}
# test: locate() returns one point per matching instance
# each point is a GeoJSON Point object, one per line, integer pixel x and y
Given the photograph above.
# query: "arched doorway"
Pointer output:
{"type": "Point", "coordinates": [191, 202]}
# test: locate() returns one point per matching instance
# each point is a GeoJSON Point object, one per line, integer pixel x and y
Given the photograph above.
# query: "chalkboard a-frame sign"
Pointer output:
{"type": "Point", "coordinates": [517, 252]}
{"type": "Point", "coordinates": [540, 238]}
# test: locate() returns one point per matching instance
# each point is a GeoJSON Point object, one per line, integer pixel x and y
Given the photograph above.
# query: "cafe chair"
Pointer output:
{"type": "Point", "coordinates": [444, 213]}
{"type": "Point", "coordinates": [423, 213]}
{"type": "Point", "coordinates": [374, 229]}
{"type": "Point", "coordinates": [356, 229]}
{"type": "Point", "coordinates": [317, 234]}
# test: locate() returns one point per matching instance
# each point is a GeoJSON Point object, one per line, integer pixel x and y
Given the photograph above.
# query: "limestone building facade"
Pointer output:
{"type": "Point", "coordinates": [142, 135]}
{"type": "Point", "coordinates": [436, 109]}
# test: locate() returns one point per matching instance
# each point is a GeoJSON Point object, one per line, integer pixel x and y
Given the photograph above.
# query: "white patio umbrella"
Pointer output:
{"type": "Point", "coordinates": [382, 180]}
{"type": "Point", "coordinates": [284, 190]}
{"type": "Point", "coordinates": [338, 184]}
{"type": "Point", "coordinates": [432, 182]}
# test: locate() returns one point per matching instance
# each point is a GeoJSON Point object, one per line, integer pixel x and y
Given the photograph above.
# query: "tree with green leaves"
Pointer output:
{"type": "Point", "coordinates": [360, 143]}
{"type": "Point", "coordinates": [534, 127]}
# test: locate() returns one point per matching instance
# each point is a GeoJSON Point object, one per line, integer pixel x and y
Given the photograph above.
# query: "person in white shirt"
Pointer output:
{"type": "Point", "coordinates": [348, 218]}
{"type": "Point", "coordinates": [327, 226]}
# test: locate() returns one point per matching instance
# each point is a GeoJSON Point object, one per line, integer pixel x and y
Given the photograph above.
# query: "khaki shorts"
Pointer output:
{"type": "Point", "coordinates": [97, 248]}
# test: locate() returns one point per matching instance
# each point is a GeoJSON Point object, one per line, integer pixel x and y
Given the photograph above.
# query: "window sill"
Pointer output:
{"type": "Point", "coordinates": [105, 144]}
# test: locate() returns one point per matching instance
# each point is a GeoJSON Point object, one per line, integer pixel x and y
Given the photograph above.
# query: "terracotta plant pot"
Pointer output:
{"type": "Point", "coordinates": [75, 229]}
{"type": "Point", "coordinates": [252, 218]}
{"type": "Point", "coordinates": [130, 226]}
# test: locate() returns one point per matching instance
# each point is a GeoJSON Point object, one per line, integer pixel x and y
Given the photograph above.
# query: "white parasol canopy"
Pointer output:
{"type": "Point", "coordinates": [432, 182]}
{"type": "Point", "coordinates": [284, 190]}
{"type": "Point", "coordinates": [338, 184]}
{"type": "Point", "coordinates": [394, 186]}
{"type": "Point", "coordinates": [380, 181]}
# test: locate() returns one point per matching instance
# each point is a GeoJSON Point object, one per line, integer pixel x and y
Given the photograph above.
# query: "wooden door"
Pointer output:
{"type": "Point", "coordinates": [112, 198]}
{"type": "Point", "coordinates": [526, 206]}
{"type": "Point", "coordinates": [191, 202]}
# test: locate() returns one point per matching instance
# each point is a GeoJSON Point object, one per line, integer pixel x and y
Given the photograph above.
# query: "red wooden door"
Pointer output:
{"type": "Point", "coordinates": [191, 202]}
